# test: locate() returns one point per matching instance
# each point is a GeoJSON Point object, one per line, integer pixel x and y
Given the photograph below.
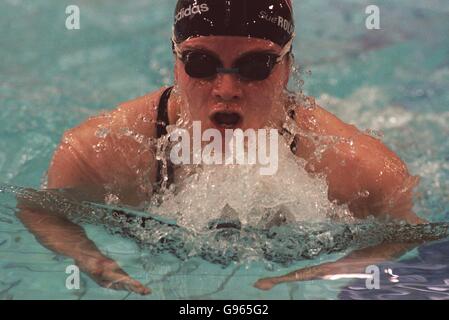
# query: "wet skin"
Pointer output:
{"type": "Point", "coordinates": [89, 165]}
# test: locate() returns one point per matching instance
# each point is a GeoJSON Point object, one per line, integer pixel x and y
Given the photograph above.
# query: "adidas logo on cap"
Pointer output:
{"type": "Point", "coordinates": [191, 11]}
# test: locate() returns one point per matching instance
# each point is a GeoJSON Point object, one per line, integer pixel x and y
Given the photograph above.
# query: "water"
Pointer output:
{"type": "Point", "coordinates": [393, 82]}
{"type": "Point", "coordinates": [241, 193]}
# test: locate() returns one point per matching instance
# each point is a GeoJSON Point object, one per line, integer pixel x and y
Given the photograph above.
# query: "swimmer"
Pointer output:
{"type": "Point", "coordinates": [233, 60]}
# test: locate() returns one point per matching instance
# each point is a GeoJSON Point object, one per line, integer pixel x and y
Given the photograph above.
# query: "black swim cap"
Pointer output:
{"type": "Point", "coordinates": [264, 19]}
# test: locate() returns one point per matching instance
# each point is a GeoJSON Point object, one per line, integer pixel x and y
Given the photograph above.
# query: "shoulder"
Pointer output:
{"type": "Point", "coordinates": [347, 139]}
{"type": "Point", "coordinates": [131, 118]}
{"type": "Point", "coordinates": [315, 119]}
{"type": "Point", "coordinates": [138, 115]}
{"type": "Point", "coordinates": [344, 141]}
{"type": "Point", "coordinates": [320, 129]}
{"type": "Point", "coordinates": [108, 145]}
{"type": "Point", "coordinates": [352, 160]}
{"type": "Point", "coordinates": [147, 105]}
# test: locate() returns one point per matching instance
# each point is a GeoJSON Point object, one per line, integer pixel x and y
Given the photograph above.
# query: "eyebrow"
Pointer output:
{"type": "Point", "coordinates": [201, 48]}
{"type": "Point", "coordinates": [268, 51]}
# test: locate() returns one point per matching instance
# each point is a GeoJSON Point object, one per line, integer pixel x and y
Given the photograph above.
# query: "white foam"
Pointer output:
{"type": "Point", "coordinates": [203, 194]}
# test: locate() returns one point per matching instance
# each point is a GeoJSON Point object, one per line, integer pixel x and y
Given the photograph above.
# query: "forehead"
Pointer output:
{"type": "Point", "coordinates": [230, 45]}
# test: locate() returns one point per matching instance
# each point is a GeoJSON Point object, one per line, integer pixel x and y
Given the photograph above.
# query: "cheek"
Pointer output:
{"type": "Point", "coordinates": [197, 92]}
{"type": "Point", "coordinates": [262, 98]}
{"type": "Point", "coordinates": [263, 93]}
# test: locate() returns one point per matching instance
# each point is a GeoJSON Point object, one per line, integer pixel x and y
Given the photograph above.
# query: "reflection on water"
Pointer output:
{"type": "Point", "coordinates": [423, 277]}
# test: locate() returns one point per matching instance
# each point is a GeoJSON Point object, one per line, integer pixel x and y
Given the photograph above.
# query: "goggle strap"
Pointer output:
{"type": "Point", "coordinates": [285, 50]}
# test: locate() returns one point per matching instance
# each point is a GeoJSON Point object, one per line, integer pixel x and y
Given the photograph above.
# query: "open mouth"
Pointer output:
{"type": "Point", "coordinates": [226, 119]}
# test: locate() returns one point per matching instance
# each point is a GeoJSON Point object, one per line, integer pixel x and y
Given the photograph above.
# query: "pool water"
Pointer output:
{"type": "Point", "coordinates": [392, 81]}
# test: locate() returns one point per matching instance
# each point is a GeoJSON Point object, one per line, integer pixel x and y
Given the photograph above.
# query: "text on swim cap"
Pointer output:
{"type": "Point", "coordinates": [191, 11]}
{"type": "Point", "coordinates": [280, 21]}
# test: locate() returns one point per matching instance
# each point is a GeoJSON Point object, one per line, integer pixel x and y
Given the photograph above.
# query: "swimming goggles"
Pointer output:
{"type": "Point", "coordinates": [256, 66]}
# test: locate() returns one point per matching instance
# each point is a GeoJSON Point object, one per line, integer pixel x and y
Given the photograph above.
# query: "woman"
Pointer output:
{"type": "Point", "coordinates": [233, 62]}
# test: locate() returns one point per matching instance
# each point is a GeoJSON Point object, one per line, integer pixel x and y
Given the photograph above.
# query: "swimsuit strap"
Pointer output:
{"type": "Point", "coordinates": [295, 142]}
{"type": "Point", "coordinates": [162, 113]}
{"type": "Point", "coordinates": [283, 131]}
{"type": "Point", "coordinates": [161, 130]}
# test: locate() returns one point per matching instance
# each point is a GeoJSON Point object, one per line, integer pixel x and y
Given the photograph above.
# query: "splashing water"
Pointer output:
{"type": "Point", "coordinates": [283, 244]}
{"type": "Point", "coordinates": [240, 192]}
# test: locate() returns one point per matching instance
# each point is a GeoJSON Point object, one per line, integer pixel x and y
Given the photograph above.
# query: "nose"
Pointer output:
{"type": "Point", "coordinates": [227, 88]}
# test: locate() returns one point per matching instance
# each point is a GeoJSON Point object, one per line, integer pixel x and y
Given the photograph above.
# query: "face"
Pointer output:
{"type": "Point", "coordinates": [227, 101]}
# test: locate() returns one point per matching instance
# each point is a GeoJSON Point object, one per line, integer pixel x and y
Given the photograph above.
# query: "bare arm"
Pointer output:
{"type": "Point", "coordinates": [83, 165]}
{"type": "Point", "coordinates": [355, 262]}
{"type": "Point", "coordinates": [60, 235]}
{"type": "Point", "coordinates": [354, 164]}
{"type": "Point", "coordinates": [69, 239]}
